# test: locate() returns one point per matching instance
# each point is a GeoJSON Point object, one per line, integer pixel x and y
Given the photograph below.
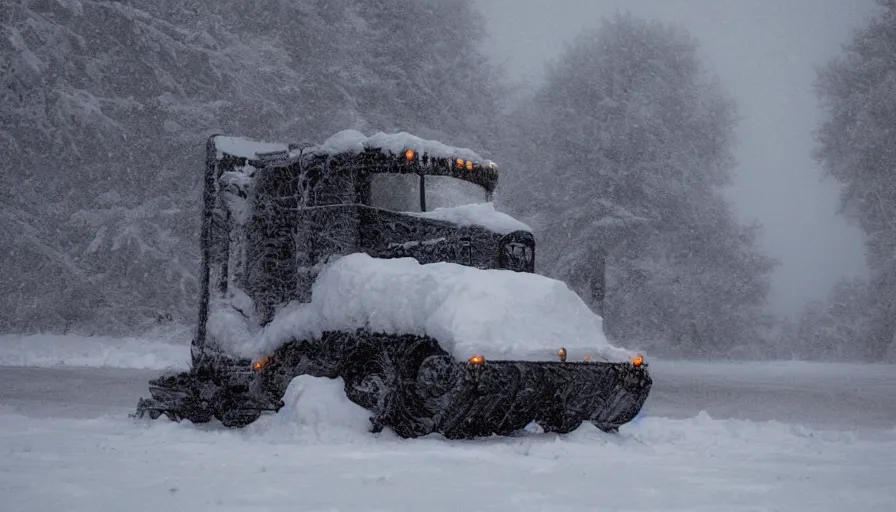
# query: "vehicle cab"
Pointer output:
{"type": "Point", "coordinates": [283, 213]}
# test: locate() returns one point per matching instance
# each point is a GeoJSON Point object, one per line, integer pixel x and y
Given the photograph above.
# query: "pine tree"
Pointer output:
{"type": "Point", "coordinates": [857, 146]}
{"type": "Point", "coordinates": [630, 146]}
{"type": "Point", "coordinates": [427, 71]}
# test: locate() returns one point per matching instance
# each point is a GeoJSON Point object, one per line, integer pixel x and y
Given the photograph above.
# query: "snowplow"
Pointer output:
{"type": "Point", "coordinates": [381, 261]}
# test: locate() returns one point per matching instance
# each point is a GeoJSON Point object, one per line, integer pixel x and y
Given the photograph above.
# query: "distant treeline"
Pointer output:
{"type": "Point", "coordinates": [619, 160]}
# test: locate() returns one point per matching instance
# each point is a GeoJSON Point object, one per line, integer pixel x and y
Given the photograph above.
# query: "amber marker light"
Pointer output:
{"type": "Point", "coordinates": [460, 163]}
{"type": "Point", "coordinates": [638, 360]}
{"type": "Point", "coordinates": [587, 358]}
{"type": "Point", "coordinates": [469, 165]}
{"type": "Point", "coordinates": [562, 353]}
{"type": "Point", "coordinates": [409, 154]}
{"type": "Point", "coordinates": [260, 363]}
{"type": "Point", "coordinates": [477, 359]}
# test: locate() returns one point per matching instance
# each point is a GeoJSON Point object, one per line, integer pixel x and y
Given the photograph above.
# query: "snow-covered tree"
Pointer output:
{"type": "Point", "coordinates": [427, 72]}
{"type": "Point", "coordinates": [625, 150]}
{"type": "Point", "coordinates": [106, 107]}
{"type": "Point", "coordinates": [857, 146]}
{"type": "Point", "coordinates": [828, 329]}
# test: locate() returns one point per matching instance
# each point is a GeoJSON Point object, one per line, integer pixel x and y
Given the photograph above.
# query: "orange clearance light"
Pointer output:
{"type": "Point", "coordinates": [469, 165]}
{"type": "Point", "coordinates": [409, 154]}
{"type": "Point", "coordinates": [260, 363]}
{"type": "Point", "coordinates": [460, 163]}
{"type": "Point", "coordinates": [477, 359]}
{"type": "Point", "coordinates": [638, 360]}
{"type": "Point", "coordinates": [587, 358]}
{"type": "Point", "coordinates": [562, 353]}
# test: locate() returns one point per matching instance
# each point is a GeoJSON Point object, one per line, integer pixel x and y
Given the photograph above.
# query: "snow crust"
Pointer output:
{"type": "Point", "coordinates": [483, 214]}
{"type": "Point", "coordinates": [49, 350]}
{"type": "Point", "coordinates": [497, 313]}
{"type": "Point", "coordinates": [244, 147]}
{"type": "Point", "coordinates": [396, 143]}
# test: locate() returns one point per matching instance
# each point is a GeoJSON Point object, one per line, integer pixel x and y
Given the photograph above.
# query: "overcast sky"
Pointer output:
{"type": "Point", "coordinates": [765, 52]}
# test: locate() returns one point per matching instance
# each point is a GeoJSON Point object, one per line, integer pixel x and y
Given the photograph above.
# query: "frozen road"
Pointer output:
{"type": "Point", "coordinates": [824, 396]}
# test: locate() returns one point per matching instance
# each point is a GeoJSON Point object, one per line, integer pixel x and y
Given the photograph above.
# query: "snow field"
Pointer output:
{"type": "Point", "coordinates": [317, 453]}
{"type": "Point", "coordinates": [314, 456]}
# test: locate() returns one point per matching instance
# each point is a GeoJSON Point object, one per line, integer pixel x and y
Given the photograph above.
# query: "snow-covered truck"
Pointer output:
{"type": "Point", "coordinates": [382, 261]}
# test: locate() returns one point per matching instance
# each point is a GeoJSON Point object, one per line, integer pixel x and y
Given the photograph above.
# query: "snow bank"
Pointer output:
{"type": "Point", "coordinates": [48, 350]}
{"type": "Point", "coordinates": [497, 313]}
{"type": "Point", "coordinates": [316, 410]}
{"type": "Point", "coordinates": [483, 215]}
{"type": "Point", "coordinates": [396, 143]}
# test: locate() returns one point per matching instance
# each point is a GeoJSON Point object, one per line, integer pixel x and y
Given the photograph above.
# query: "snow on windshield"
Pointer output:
{"type": "Point", "coordinates": [401, 192]}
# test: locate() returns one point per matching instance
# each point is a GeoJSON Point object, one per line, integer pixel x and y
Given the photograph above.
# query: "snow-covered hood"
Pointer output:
{"type": "Point", "coordinates": [498, 313]}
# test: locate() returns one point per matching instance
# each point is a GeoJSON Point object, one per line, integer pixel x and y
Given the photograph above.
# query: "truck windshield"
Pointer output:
{"type": "Point", "coordinates": [401, 192]}
{"type": "Point", "coordinates": [448, 192]}
{"type": "Point", "coordinates": [397, 192]}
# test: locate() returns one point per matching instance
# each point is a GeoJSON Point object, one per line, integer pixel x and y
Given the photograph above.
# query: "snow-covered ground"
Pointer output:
{"type": "Point", "coordinates": [316, 454]}
{"type": "Point", "coordinates": [169, 350]}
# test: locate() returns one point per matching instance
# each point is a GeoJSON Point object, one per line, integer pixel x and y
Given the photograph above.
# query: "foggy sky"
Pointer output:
{"type": "Point", "coordinates": [765, 52]}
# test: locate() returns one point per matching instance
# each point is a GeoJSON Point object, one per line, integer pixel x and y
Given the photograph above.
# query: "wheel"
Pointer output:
{"type": "Point", "coordinates": [237, 418]}
{"type": "Point", "coordinates": [199, 413]}
{"type": "Point", "coordinates": [381, 375]}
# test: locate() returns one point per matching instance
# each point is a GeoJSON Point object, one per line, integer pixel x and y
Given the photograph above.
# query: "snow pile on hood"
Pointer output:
{"type": "Point", "coordinates": [482, 214]}
{"type": "Point", "coordinates": [498, 313]}
{"type": "Point", "coordinates": [396, 143]}
{"type": "Point", "coordinates": [316, 410]}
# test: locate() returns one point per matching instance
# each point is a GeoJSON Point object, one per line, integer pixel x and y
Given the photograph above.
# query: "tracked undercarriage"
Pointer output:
{"type": "Point", "coordinates": [414, 387]}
